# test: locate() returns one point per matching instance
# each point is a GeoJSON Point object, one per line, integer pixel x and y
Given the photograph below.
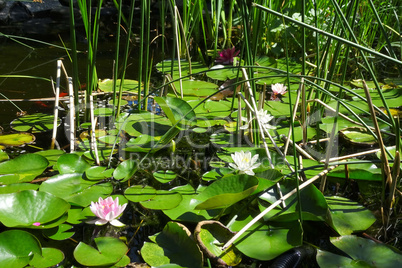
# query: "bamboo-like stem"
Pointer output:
{"type": "Point", "coordinates": [94, 146]}
{"type": "Point", "coordinates": [385, 168]}
{"type": "Point", "coordinates": [276, 203]}
{"type": "Point", "coordinates": [335, 159]}
{"type": "Point", "coordinates": [72, 114]}
{"type": "Point", "coordinates": [56, 104]}
{"type": "Point", "coordinates": [285, 150]}
{"type": "Point", "coordinates": [176, 14]}
{"type": "Point", "coordinates": [298, 148]}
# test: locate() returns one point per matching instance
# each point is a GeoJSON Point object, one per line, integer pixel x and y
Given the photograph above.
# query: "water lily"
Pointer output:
{"type": "Point", "coordinates": [278, 90]}
{"type": "Point", "coordinates": [263, 117]}
{"type": "Point", "coordinates": [107, 210]}
{"type": "Point", "coordinates": [244, 163]}
{"type": "Point", "coordinates": [226, 56]}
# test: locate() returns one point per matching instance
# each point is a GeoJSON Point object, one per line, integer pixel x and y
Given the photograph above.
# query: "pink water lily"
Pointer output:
{"type": "Point", "coordinates": [226, 56]}
{"type": "Point", "coordinates": [107, 210]}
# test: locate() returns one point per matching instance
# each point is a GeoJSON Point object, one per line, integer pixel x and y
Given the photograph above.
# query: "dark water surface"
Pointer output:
{"type": "Point", "coordinates": [16, 59]}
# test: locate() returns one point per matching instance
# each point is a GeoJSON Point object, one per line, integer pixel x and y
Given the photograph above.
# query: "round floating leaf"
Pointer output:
{"type": "Point", "coordinates": [166, 65]}
{"type": "Point", "coordinates": [17, 248]}
{"type": "Point", "coordinates": [17, 187]}
{"type": "Point", "coordinates": [3, 156]}
{"type": "Point", "coordinates": [61, 232]}
{"type": "Point", "coordinates": [31, 209]}
{"type": "Point", "coordinates": [349, 216]}
{"type": "Point", "coordinates": [138, 193]}
{"type": "Point", "coordinates": [50, 258]}
{"type": "Point", "coordinates": [51, 155]}
{"type": "Point", "coordinates": [109, 251]}
{"type": "Point", "coordinates": [125, 170]}
{"type": "Point", "coordinates": [128, 85]}
{"type": "Point", "coordinates": [216, 173]}
{"type": "Point", "coordinates": [143, 123]}
{"type": "Point", "coordinates": [363, 251]}
{"type": "Point", "coordinates": [163, 200]}
{"type": "Point", "coordinates": [261, 241]}
{"type": "Point", "coordinates": [97, 173]}
{"type": "Point", "coordinates": [173, 245]}
{"type": "Point", "coordinates": [17, 139]}
{"type": "Point", "coordinates": [196, 88]}
{"type": "Point", "coordinates": [186, 211]}
{"type": "Point", "coordinates": [34, 123]}
{"type": "Point", "coordinates": [74, 189]}
{"type": "Point", "coordinates": [164, 176]}
{"type": "Point", "coordinates": [22, 168]}
{"type": "Point", "coordinates": [357, 136]}
{"type": "Point", "coordinates": [226, 191]}
{"type": "Point", "coordinates": [71, 163]}
{"type": "Point", "coordinates": [177, 110]}
{"type": "Point", "coordinates": [223, 73]}
{"type": "Point", "coordinates": [211, 236]}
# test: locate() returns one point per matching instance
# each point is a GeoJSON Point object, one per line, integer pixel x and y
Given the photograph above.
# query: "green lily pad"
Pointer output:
{"type": "Point", "coordinates": [97, 173]}
{"type": "Point", "coordinates": [31, 209]}
{"type": "Point", "coordinates": [23, 168]}
{"type": "Point", "coordinates": [357, 136]}
{"type": "Point", "coordinates": [163, 200]}
{"type": "Point", "coordinates": [196, 88]}
{"type": "Point", "coordinates": [138, 193]}
{"type": "Point", "coordinates": [143, 123]}
{"type": "Point", "coordinates": [34, 123]}
{"type": "Point", "coordinates": [50, 258]}
{"type": "Point", "coordinates": [128, 85]}
{"type": "Point", "coordinates": [349, 216]}
{"type": "Point", "coordinates": [211, 236]}
{"type": "Point", "coordinates": [51, 155]}
{"type": "Point", "coordinates": [261, 241]}
{"type": "Point", "coordinates": [17, 248]}
{"type": "Point", "coordinates": [174, 245]}
{"type": "Point", "coordinates": [17, 187]}
{"type": "Point", "coordinates": [185, 210]}
{"type": "Point", "coordinates": [223, 73]}
{"type": "Point", "coordinates": [164, 176]}
{"type": "Point", "coordinates": [125, 170]}
{"type": "Point", "coordinates": [3, 156]}
{"type": "Point", "coordinates": [74, 189]}
{"type": "Point", "coordinates": [16, 139]}
{"type": "Point", "coordinates": [71, 163]}
{"type": "Point", "coordinates": [165, 67]}
{"type": "Point", "coordinates": [364, 252]}
{"type": "Point", "coordinates": [61, 232]}
{"type": "Point", "coordinates": [177, 110]}
{"type": "Point", "coordinates": [109, 251]}
{"type": "Point", "coordinates": [226, 191]}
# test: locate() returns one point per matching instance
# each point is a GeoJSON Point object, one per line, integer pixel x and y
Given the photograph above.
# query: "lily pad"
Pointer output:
{"type": "Point", "coordinates": [34, 123]}
{"type": "Point", "coordinates": [50, 258]}
{"type": "Point", "coordinates": [357, 136]}
{"type": "Point", "coordinates": [17, 248]}
{"type": "Point", "coordinates": [211, 236]}
{"type": "Point", "coordinates": [61, 232]}
{"type": "Point", "coordinates": [174, 245]}
{"type": "Point", "coordinates": [128, 85]}
{"type": "Point", "coordinates": [366, 253]}
{"type": "Point", "coordinates": [32, 209]}
{"type": "Point", "coordinates": [226, 191]}
{"type": "Point", "coordinates": [17, 187]}
{"type": "Point", "coordinates": [349, 216]}
{"type": "Point", "coordinates": [74, 189]}
{"type": "Point", "coordinates": [125, 170]}
{"type": "Point", "coordinates": [23, 168]}
{"type": "Point", "coordinates": [164, 176]}
{"type": "Point", "coordinates": [109, 251]}
{"type": "Point", "coordinates": [71, 163]}
{"type": "Point", "coordinates": [163, 200]}
{"type": "Point", "coordinates": [17, 139]}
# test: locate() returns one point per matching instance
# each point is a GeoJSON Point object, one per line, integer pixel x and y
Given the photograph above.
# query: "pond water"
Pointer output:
{"type": "Point", "coordinates": [40, 61]}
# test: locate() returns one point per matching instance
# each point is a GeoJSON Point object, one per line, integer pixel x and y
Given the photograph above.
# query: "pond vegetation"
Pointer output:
{"type": "Point", "coordinates": [267, 135]}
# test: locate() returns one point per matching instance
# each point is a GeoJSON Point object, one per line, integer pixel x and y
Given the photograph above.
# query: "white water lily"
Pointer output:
{"type": "Point", "coordinates": [107, 210]}
{"type": "Point", "coordinates": [244, 163]}
{"type": "Point", "coordinates": [263, 117]}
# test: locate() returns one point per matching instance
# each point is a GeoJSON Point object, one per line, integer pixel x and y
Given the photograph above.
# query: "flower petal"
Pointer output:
{"type": "Point", "coordinates": [117, 223]}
